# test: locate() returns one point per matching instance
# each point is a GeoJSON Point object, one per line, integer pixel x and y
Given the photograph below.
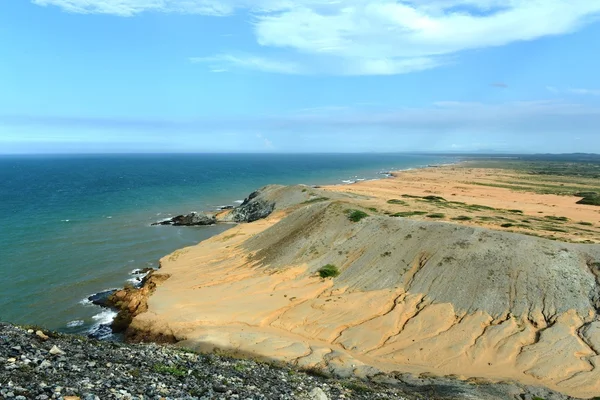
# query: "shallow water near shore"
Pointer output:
{"type": "Point", "coordinates": [72, 226]}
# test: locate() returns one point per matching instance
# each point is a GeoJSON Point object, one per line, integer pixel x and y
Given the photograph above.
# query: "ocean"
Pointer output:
{"type": "Point", "coordinates": [72, 226]}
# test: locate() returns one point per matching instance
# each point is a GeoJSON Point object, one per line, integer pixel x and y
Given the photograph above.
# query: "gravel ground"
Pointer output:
{"type": "Point", "coordinates": [43, 365]}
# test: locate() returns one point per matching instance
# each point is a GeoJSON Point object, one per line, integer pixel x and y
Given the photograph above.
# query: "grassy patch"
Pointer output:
{"type": "Point", "coordinates": [373, 209]}
{"type": "Point", "coordinates": [357, 387]}
{"type": "Point", "coordinates": [410, 196]}
{"type": "Point", "coordinates": [515, 211]}
{"type": "Point", "coordinates": [553, 218]}
{"type": "Point", "coordinates": [356, 215]}
{"type": "Point", "coordinates": [585, 223]}
{"type": "Point", "coordinates": [329, 271]}
{"type": "Point", "coordinates": [167, 370]}
{"type": "Point", "coordinates": [397, 201]}
{"type": "Point", "coordinates": [553, 229]}
{"type": "Point", "coordinates": [507, 225]}
{"type": "Point", "coordinates": [462, 218]}
{"type": "Point", "coordinates": [478, 207]}
{"type": "Point", "coordinates": [436, 215]}
{"type": "Point", "coordinates": [409, 213]}
{"type": "Point", "coordinates": [316, 200]}
{"type": "Point", "coordinates": [433, 198]}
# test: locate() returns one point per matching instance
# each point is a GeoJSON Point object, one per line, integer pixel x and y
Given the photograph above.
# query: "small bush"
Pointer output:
{"type": "Point", "coordinates": [410, 196]}
{"type": "Point", "coordinates": [373, 209]}
{"type": "Point", "coordinates": [507, 225]}
{"type": "Point", "coordinates": [585, 223]}
{"type": "Point", "coordinates": [328, 271]}
{"type": "Point", "coordinates": [434, 198]}
{"type": "Point", "coordinates": [553, 218]}
{"type": "Point", "coordinates": [396, 201]}
{"type": "Point", "coordinates": [166, 370]}
{"type": "Point", "coordinates": [409, 213]}
{"type": "Point", "coordinates": [356, 215]}
{"type": "Point", "coordinates": [515, 211]}
{"type": "Point", "coordinates": [436, 215]}
{"type": "Point", "coordinates": [462, 218]}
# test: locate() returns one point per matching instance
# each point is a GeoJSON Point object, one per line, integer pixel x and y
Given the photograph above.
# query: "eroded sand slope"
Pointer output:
{"type": "Point", "coordinates": [413, 296]}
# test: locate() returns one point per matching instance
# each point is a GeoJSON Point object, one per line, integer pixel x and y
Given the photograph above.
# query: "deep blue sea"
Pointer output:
{"type": "Point", "coordinates": [72, 226]}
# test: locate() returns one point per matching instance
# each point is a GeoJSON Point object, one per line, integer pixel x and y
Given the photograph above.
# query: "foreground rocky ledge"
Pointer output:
{"type": "Point", "coordinates": [46, 365]}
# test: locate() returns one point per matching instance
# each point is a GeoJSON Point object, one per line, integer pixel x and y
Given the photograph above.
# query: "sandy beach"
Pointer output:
{"type": "Point", "coordinates": [448, 290]}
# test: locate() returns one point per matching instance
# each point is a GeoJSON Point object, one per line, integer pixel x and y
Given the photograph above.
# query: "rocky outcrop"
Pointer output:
{"type": "Point", "coordinates": [131, 301]}
{"type": "Point", "coordinates": [252, 209]}
{"type": "Point", "coordinates": [191, 219]}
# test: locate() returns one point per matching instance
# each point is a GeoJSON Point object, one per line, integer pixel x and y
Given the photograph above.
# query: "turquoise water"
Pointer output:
{"type": "Point", "coordinates": [72, 226]}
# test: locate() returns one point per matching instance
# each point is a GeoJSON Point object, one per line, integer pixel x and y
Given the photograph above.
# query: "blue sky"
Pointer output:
{"type": "Point", "coordinates": [299, 75]}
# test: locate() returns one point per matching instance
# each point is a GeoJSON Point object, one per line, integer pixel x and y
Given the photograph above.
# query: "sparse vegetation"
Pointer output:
{"type": "Point", "coordinates": [507, 225]}
{"type": "Point", "coordinates": [585, 223]}
{"type": "Point", "coordinates": [168, 370]}
{"type": "Point", "coordinates": [433, 198]}
{"type": "Point", "coordinates": [515, 211]}
{"type": "Point", "coordinates": [410, 196]}
{"type": "Point", "coordinates": [372, 209]}
{"type": "Point", "coordinates": [462, 218]}
{"type": "Point", "coordinates": [436, 215]}
{"type": "Point", "coordinates": [328, 271]}
{"type": "Point", "coordinates": [356, 215]}
{"type": "Point", "coordinates": [409, 213]}
{"type": "Point", "coordinates": [397, 201]}
{"type": "Point", "coordinates": [553, 218]}
{"type": "Point", "coordinates": [316, 200]}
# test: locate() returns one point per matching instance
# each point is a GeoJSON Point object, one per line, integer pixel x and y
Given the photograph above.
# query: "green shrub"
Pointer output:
{"type": "Point", "coordinates": [328, 271]}
{"type": "Point", "coordinates": [585, 223]}
{"type": "Point", "coordinates": [507, 225]}
{"type": "Point", "coordinates": [515, 211]}
{"type": "Point", "coordinates": [409, 213]}
{"type": "Point", "coordinates": [410, 196]}
{"type": "Point", "coordinates": [373, 209]}
{"type": "Point", "coordinates": [356, 215]}
{"type": "Point", "coordinates": [434, 198]}
{"type": "Point", "coordinates": [462, 218]}
{"type": "Point", "coordinates": [553, 218]}
{"type": "Point", "coordinates": [396, 201]}
{"type": "Point", "coordinates": [436, 215]}
{"type": "Point", "coordinates": [165, 369]}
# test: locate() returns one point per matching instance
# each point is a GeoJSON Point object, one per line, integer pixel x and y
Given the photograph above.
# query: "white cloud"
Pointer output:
{"type": "Point", "coordinates": [370, 37]}
{"type": "Point", "coordinates": [592, 92]}
{"type": "Point", "coordinates": [223, 62]}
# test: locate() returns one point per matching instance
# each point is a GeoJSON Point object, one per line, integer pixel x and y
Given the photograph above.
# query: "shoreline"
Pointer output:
{"type": "Point", "coordinates": [102, 329]}
{"type": "Point", "coordinates": [245, 267]}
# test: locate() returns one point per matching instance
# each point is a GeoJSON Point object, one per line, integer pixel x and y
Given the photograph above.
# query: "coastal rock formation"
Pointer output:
{"type": "Point", "coordinates": [191, 219]}
{"type": "Point", "coordinates": [414, 296]}
{"type": "Point", "coordinates": [254, 207]}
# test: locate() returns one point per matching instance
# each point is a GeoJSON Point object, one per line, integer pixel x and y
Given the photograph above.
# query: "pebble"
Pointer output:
{"type": "Point", "coordinates": [56, 351]}
{"type": "Point", "coordinates": [41, 335]}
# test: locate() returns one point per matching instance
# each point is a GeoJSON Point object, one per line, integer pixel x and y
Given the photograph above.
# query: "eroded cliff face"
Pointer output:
{"type": "Point", "coordinates": [412, 296]}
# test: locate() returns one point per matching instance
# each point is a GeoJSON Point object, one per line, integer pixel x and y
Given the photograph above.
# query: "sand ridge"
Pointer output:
{"type": "Point", "coordinates": [413, 295]}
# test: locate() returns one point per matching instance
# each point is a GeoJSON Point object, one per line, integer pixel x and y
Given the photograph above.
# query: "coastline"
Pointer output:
{"type": "Point", "coordinates": [108, 311]}
{"type": "Point", "coordinates": [234, 265]}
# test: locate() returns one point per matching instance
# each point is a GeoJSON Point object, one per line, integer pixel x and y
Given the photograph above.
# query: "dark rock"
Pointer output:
{"type": "Point", "coordinates": [226, 207]}
{"type": "Point", "coordinates": [101, 299]}
{"type": "Point", "coordinates": [191, 219]}
{"type": "Point", "coordinates": [253, 208]}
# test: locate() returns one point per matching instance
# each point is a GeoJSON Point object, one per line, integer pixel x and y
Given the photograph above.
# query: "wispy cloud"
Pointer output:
{"type": "Point", "coordinates": [224, 62]}
{"type": "Point", "coordinates": [580, 91]}
{"type": "Point", "coordinates": [592, 92]}
{"type": "Point", "coordinates": [369, 37]}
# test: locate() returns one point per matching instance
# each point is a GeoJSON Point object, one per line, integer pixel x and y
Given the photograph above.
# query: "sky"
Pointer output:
{"type": "Point", "coordinates": [97, 76]}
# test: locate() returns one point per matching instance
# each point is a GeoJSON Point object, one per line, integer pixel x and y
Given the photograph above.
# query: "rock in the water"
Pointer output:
{"type": "Point", "coordinates": [191, 219]}
{"type": "Point", "coordinates": [101, 299]}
